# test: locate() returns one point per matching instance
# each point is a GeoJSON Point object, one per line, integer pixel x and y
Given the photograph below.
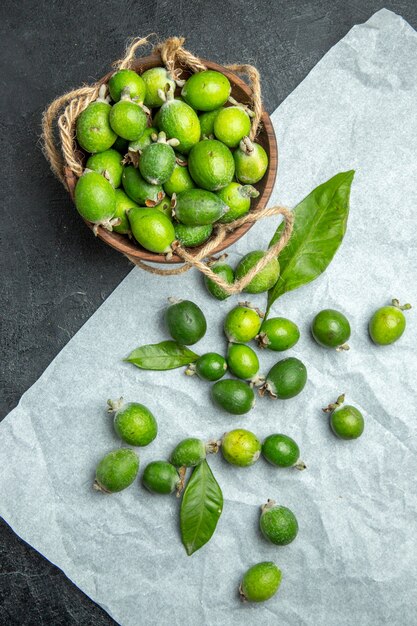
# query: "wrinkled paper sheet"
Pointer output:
{"type": "Point", "coordinates": [354, 561]}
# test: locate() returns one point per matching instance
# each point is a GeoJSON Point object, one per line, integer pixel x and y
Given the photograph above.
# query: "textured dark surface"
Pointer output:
{"type": "Point", "coordinates": [54, 273]}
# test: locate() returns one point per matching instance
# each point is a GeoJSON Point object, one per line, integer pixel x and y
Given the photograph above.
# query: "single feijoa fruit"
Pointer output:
{"type": "Point", "coordinates": [139, 190]}
{"type": "Point", "coordinates": [152, 229]}
{"type": "Point", "coordinates": [180, 179]}
{"type": "Point", "coordinates": [128, 83]}
{"type": "Point", "coordinates": [278, 333]}
{"type": "Point", "coordinates": [234, 396]}
{"type": "Point", "coordinates": [285, 379]}
{"type": "Point", "coordinates": [243, 361]}
{"type": "Point", "coordinates": [207, 123]}
{"type": "Point", "coordinates": [211, 164]}
{"type": "Point", "coordinates": [261, 582]}
{"type": "Point", "coordinates": [237, 197]}
{"type": "Point", "coordinates": [95, 199]}
{"type": "Point", "coordinates": [231, 125]}
{"type": "Point", "coordinates": [117, 470]}
{"type": "Point", "coordinates": [331, 329]}
{"type": "Point", "coordinates": [192, 236]}
{"type": "Point", "coordinates": [179, 121]}
{"type": "Point", "coordinates": [207, 90]}
{"type": "Point", "coordinates": [242, 324]}
{"type": "Point", "coordinates": [346, 421]}
{"type": "Point", "coordinates": [241, 447]}
{"type": "Point", "coordinates": [278, 524]}
{"type": "Point", "coordinates": [157, 163]}
{"type": "Point", "coordinates": [185, 321]}
{"type": "Point", "coordinates": [264, 279]}
{"type": "Point", "coordinates": [109, 164]}
{"type": "Point", "coordinates": [133, 422]}
{"type": "Point", "coordinates": [282, 451]}
{"type": "Point", "coordinates": [189, 453]}
{"type": "Point", "coordinates": [225, 272]}
{"type": "Point", "coordinates": [128, 119]}
{"type": "Point", "coordinates": [160, 477]}
{"type": "Point", "coordinates": [123, 205]}
{"type": "Point", "coordinates": [155, 79]}
{"type": "Point", "coordinates": [94, 133]}
{"type": "Point", "coordinates": [388, 323]}
{"type": "Point", "coordinates": [251, 162]}
{"type": "Point", "coordinates": [197, 207]}
{"type": "Point", "coordinates": [210, 366]}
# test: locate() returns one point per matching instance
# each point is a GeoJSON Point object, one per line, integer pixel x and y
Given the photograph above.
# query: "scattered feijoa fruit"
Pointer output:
{"type": "Point", "coordinates": [242, 324]}
{"type": "Point", "coordinates": [225, 271]}
{"type": "Point", "coordinates": [285, 379]}
{"type": "Point", "coordinates": [234, 396]}
{"type": "Point", "coordinates": [160, 477]}
{"type": "Point", "coordinates": [133, 422]}
{"type": "Point", "coordinates": [282, 451]}
{"type": "Point", "coordinates": [261, 582]}
{"type": "Point", "coordinates": [388, 323]}
{"type": "Point", "coordinates": [331, 329]}
{"type": "Point", "coordinates": [263, 279]}
{"type": "Point", "coordinates": [243, 362]}
{"type": "Point", "coordinates": [278, 333]}
{"type": "Point", "coordinates": [278, 524]}
{"type": "Point", "coordinates": [185, 321]}
{"type": "Point", "coordinates": [240, 447]}
{"type": "Point", "coordinates": [210, 366]}
{"type": "Point", "coordinates": [191, 452]}
{"type": "Point", "coordinates": [117, 470]}
{"type": "Point", "coordinates": [346, 421]}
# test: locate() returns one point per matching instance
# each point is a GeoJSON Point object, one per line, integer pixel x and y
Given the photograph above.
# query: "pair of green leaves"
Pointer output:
{"type": "Point", "coordinates": [319, 227]}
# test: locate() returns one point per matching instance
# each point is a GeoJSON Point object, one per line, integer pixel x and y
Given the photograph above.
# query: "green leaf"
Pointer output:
{"type": "Point", "coordinates": [201, 507]}
{"type": "Point", "coordinates": [166, 355]}
{"type": "Point", "coordinates": [319, 227]}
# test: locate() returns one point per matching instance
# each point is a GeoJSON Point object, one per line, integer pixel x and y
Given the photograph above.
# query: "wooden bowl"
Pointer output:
{"type": "Point", "coordinates": [266, 137]}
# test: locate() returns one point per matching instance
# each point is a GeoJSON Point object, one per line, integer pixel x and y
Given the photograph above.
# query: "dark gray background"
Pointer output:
{"type": "Point", "coordinates": [54, 273]}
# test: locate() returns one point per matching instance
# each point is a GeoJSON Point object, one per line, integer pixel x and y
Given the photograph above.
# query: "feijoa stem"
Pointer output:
{"type": "Point", "coordinates": [404, 307]}
{"type": "Point", "coordinates": [268, 505]}
{"type": "Point", "coordinates": [213, 446]}
{"type": "Point", "coordinates": [343, 348]}
{"type": "Point", "coordinates": [114, 405]}
{"type": "Point", "coordinates": [249, 305]}
{"type": "Point", "coordinates": [181, 483]}
{"type": "Point", "coordinates": [334, 405]}
{"type": "Point", "coordinates": [300, 465]}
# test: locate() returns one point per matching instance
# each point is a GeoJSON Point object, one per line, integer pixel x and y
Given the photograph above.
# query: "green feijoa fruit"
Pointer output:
{"type": "Point", "coordinates": [144, 140]}
{"type": "Point", "coordinates": [285, 379]}
{"type": "Point", "coordinates": [179, 121]}
{"type": "Point", "coordinates": [210, 366]}
{"type": "Point", "coordinates": [240, 447]}
{"type": "Point", "coordinates": [185, 321]}
{"type": "Point", "coordinates": [165, 207]}
{"type": "Point", "coordinates": [282, 451]}
{"type": "Point", "coordinates": [331, 329]}
{"type": "Point", "coordinates": [207, 123]}
{"type": "Point", "coordinates": [138, 189]}
{"type": "Point", "coordinates": [264, 279]}
{"type": "Point", "coordinates": [128, 119]}
{"type": "Point", "coordinates": [251, 162]}
{"type": "Point", "coordinates": [243, 361]}
{"type": "Point", "coordinates": [191, 236]}
{"type": "Point", "coordinates": [180, 179]}
{"type": "Point", "coordinates": [128, 83]}
{"type": "Point", "coordinates": [261, 582]}
{"type": "Point", "coordinates": [95, 199]}
{"type": "Point", "coordinates": [133, 422]}
{"type": "Point", "coordinates": [157, 163]}
{"type": "Point", "coordinates": [155, 79]}
{"type": "Point", "coordinates": [189, 453]}
{"type": "Point", "coordinates": [388, 323]}
{"type": "Point", "coordinates": [237, 197]}
{"type": "Point", "coordinates": [123, 204]}
{"type": "Point", "coordinates": [231, 125]}
{"type": "Point", "coordinates": [278, 333]}
{"type": "Point", "coordinates": [197, 207]}
{"type": "Point", "coordinates": [211, 164]}
{"type": "Point", "coordinates": [278, 524]}
{"type": "Point", "coordinates": [346, 421]}
{"type": "Point", "coordinates": [242, 324]}
{"type": "Point", "coordinates": [117, 470]}
{"type": "Point", "coordinates": [121, 145]}
{"type": "Point", "coordinates": [94, 133]}
{"type": "Point", "coordinates": [225, 272]}
{"type": "Point", "coordinates": [234, 396]}
{"type": "Point", "coordinates": [109, 164]}
{"type": "Point", "coordinates": [160, 477]}
{"type": "Point", "coordinates": [152, 229]}
{"type": "Point", "coordinates": [206, 90]}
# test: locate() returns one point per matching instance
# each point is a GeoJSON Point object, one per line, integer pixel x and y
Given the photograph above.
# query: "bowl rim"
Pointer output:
{"type": "Point", "coordinates": [122, 244]}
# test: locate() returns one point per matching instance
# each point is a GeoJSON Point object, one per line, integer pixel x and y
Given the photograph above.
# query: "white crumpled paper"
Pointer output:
{"type": "Point", "coordinates": [354, 560]}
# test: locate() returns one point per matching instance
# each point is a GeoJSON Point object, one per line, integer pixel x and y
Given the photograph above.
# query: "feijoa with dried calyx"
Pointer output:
{"type": "Point", "coordinates": [278, 524]}
{"type": "Point", "coordinates": [180, 179]}
{"type": "Point", "coordinates": [139, 190]}
{"type": "Point", "coordinates": [234, 396]}
{"type": "Point", "coordinates": [157, 161]}
{"type": "Point", "coordinates": [285, 379]}
{"type": "Point", "coordinates": [129, 83]}
{"type": "Point", "coordinates": [94, 133]}
{"type": "Point", "coordinates": [210, 366]}
{"type": "Point", "coordinates": [152, 229]}
{"type": "Point", "coordinates": [108, 164]}
{"type": "Point", "coordinates": [346, 421]}
{"type": "Point", "coordinates": [238, 198]}
{"type": "Point", "coordinates": [156, 78]}
{"type": "Point", "coordinates": [264, 279]}
{"type": "Point", "coordinates": [211, 164]}
{"type": "Point", "coordinates": [388, 323]}
{"type": "Point", "coordinates": [331, 329]}
{"type": "Point", "coordinates": [261, 582]}
{"type": "Point", "coordinates": [278, 333]}
{"type": "Point", "coordinates": [225, 271]}
{"type": "Point", "coordinates": [128, 119]}
{"type": "Point", "coordinates": [117, 470]}
{"type": "Point", "coordinates": [165, 207]}
{"type": "Point", "coordinates": [161, 477]}
{"type": "Point", "coordinates": [95, 200]}
{"type": "Point", "coordinates": [179, 121]}
{"type": "Point", "coordinates": [192, 451]}
{"type": "Point", "coordinates": [206, 90]}
{"type": "Point", "coordinates": [243, 362]}
{"type": "Point", "coordinates": [197, 207]}
{"type": "Point", "coordinates": [251, 162]}
{"type": "Point", "coordinates": [282, 451]}
{"type": "Point", "coordinates": [133, 422]}
{"type": "Point", "coordinates": [123, 204]}
{"type": "Point", "coordinates": [240, 447]}
{"type": "Point", "coordinates": [231, 125]}
{"type": "Point", "coordinates": [185, 321]}
{"type": "Point", "coordinates": [192, 236]}
{"type": "Point", "coordinates": [242, 323]}
{"type": "Point", "coordinates": [207, 123]}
